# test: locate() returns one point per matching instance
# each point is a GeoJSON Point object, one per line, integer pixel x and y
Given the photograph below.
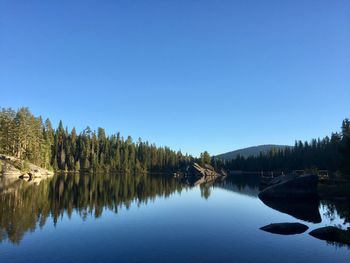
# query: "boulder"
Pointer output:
{"type": "Point", "coordinates": [9, 171]}
{"type": "Point", "coordinates": [332, 234]}
{"type": "Point", "coordinates": [304, 186]}
{"type": "Point", "coordinates": [285, 228]}
{"type": "Point", "coordinates": [25, 176]}
{"type": "Point", "coordinates": [208, 166]}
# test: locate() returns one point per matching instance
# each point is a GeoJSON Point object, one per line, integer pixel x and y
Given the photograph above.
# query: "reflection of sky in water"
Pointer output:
{"type": "Point", "coordinates": [184, 227]}
{"type": "Point", "coordinates": [333, 219]}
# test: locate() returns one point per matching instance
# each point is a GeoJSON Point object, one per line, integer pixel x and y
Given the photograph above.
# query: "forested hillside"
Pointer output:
{"type": "Point", "coordinates": [30, 138]}
{"type": "Point", "coordinates": [250, 151]}
{"type": "Point", "coordinates": [330, 153]}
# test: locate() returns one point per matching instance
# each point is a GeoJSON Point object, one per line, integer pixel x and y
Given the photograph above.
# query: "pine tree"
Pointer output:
{"type": "Point", "coordinates": [77, 166]}
{"type": "Point", "coordinates": [205, 158]}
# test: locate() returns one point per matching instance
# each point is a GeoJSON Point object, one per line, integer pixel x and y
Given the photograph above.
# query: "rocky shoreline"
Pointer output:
{"type": "Point", "coordinates": [13, 168]}
{"type": "Point", "coordinates": [196, 174]}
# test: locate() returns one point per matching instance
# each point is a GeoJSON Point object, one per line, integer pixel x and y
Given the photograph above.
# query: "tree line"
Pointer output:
{"type": "Point", "coordinates": [330, 153]}
{"type": "Point", "coordinates": [30, 138]}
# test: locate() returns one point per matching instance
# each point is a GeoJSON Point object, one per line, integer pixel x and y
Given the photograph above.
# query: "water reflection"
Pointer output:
{"type": "Point", "coordinates": [205, 190]}
{"type": "Point", "coordinates": [306, 210]}
{"type": "Point", "coordinates": [23, 207]}
{"type": "Point", "coordinates": [247, 185]}
{"type": "Point", "coordinates": [337, 209]}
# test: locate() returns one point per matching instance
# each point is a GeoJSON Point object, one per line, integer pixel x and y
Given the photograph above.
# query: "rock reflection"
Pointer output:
{"type": "Point", "coordinates": [306, 210]}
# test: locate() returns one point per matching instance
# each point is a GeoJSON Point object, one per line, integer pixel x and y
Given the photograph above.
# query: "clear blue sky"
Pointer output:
{"type": "Point", "coordinates": [193, 75]}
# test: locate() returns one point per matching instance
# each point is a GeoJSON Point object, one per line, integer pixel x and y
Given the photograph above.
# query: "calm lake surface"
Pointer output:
{"type": "Point", "coordinates": [144, 218]}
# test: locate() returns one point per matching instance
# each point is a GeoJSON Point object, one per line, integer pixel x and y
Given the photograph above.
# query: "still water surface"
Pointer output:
{"type": "Point", "coordinates": [144, 218]}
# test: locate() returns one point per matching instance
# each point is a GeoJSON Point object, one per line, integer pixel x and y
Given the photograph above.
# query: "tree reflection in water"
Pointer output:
{"type": "Point", "coordinates": [25, 207]}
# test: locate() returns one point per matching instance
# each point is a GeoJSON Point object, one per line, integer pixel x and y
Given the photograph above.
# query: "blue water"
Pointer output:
{"type": "Point", "coordinates": [212, 224]}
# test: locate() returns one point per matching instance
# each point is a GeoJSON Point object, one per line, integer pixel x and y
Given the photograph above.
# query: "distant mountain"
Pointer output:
{"type": "Point", "coordinates": [250, 151]}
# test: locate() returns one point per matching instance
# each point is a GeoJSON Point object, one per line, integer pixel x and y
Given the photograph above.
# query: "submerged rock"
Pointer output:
{"type": "Point", "coordinates": [304, 186]}
{"type": "Point", "coordinates": [285, 228]}
{"type": "Point", "coordinates": [332, 234]}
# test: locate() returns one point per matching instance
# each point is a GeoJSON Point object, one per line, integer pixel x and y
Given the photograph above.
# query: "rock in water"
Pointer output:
{"type": "Point", "coordinates": [304, 186]}
{"type": "Point", "coordinates": [285, 228]}
{"type": "Point", "coordinates": [332, 234]}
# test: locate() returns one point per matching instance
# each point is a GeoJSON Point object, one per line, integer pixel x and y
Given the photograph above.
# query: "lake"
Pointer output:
{"type": "Point", "coordinates": [153, 218]}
